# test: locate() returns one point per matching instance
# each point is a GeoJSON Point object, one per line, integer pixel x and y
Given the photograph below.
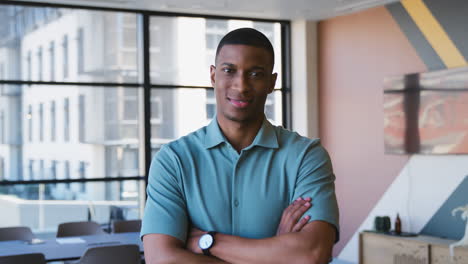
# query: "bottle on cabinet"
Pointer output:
{"type": "Point", "coordinates": [398, 225]}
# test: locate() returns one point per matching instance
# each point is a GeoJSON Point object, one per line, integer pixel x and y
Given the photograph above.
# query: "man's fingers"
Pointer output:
{"type": "Point", "coordinates": [298, 208]}
{"type": "Point", "coordinates": [291, 208]}
{"type": "Point", "coordinates": [291, 218]}
{"type": "Point", "coordinates": [298, 227]}
{"type": "Point", "coordinates": [296, 211]}
{"type": "Point", "coordinates": [299, 212]}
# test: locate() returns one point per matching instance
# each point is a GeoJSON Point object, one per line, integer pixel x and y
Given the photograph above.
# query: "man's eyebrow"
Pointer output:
{"type": "Point", "coordinates": [258, 68]}
{"type": "Point", "coordinates": [252, 68]}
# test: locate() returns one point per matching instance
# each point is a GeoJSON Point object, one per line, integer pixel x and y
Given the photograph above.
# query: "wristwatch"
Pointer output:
{"type": "Point", "coordinates": [206, 242]}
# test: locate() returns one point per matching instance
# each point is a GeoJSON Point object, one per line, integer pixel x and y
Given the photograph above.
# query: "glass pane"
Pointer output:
{"type": "Point", "coordinates": [182, 48]}
{"type": "Point", "coordinates": [177, 112]}
{"type": "Point", "coordinates": [274, 108]}
{"type": "Point", "coordinates": [67, 45]}
{"type": "Point", "coordinates": [43, 207]}
{"type": "Point", "coordinates": [55, 132]}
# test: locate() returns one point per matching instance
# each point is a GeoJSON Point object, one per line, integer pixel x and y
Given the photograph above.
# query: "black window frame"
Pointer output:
{"type": "Point", "coordinates": [146, 84]}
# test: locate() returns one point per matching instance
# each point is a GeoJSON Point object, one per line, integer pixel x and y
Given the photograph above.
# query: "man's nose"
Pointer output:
{"type": "Point", "coordinates": [242, 82]}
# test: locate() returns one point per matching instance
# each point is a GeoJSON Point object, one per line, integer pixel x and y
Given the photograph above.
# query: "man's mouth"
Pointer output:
{"type": "Point", "coordinates": [239, 103]}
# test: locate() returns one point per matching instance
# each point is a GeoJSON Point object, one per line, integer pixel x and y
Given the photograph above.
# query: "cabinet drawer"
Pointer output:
{"type": "Point", "coordinates": [441, 255]}
{"type": "Point", "coordinates": [382, 249]}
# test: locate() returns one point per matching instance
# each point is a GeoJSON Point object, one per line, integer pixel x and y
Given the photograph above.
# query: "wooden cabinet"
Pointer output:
{"type": "Point", "coordinates": [377, 248]}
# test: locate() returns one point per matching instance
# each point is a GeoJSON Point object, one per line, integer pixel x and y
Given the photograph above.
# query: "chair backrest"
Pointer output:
{"type": "Point", "coordinates": [16, 233]}
{"type": "Point", "coordinates": [79, 229]}
{"type": "Point", "coordinates": [36, 258]}
{"type": "Point", "coordinates": [126, 226]}
{"type": "Point", "coordinates": [120, 254]}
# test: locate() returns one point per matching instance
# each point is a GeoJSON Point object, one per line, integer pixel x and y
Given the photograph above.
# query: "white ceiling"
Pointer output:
{"type": "Point", "coordinates": [272, 9]}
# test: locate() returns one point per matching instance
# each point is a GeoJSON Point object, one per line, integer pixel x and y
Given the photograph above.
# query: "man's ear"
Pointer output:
{"type": "Point", "coordinates": [212, 75]}
{"type": "Point", "coordinates": [274, 76]}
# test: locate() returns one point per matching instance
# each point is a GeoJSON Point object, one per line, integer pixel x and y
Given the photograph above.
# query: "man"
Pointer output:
{"type": "Point", "coordinates": [235, 190]}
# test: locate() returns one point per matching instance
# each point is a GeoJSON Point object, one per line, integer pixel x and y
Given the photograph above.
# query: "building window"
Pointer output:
{"type": "Point", "coordinates": [30, 123]}
{"type": "Point", "coordinates": [28, 65]}
{"type": "Point", "coordinates": [130, 107]}
{"type": "Point", "coordinates": [31, 169]}
{"type": "Point", "coordinates": [156, 110]}
{"type": "Point", "coordinates": [2, 76]}
{"type": "Point", "coordinates": [129, 113]}
{"type": "Point", "coordinates": [2, 127]}
{"type": "Point", "coordinates": [66, 172]}
{"type": "Point", "coordinates": [210, 104]}
{"type": "Point", "coordinates": [65, 56]}
{"type": "Point", "coordinates": [215, 30]}
{"type": "Point", "coordinates": [53, 170]}
{"type": "Point", "coordinates": [81, 118]}
{"type": "Point", "coordinates": [269, 108]}
{"type": "Point", "coordinates": [52, 60]}
{"type": "Point", "coordinates": [66, 119]}
{"type": "Point", "coordinates": [2, 169]}
{"type": "Point", "coordinates": [80, 47]}
{"type": "Point", "coordinates": [82, 173]}
{"type": "Point", "coordinates": [39, 64]}
{"type": "Point", "coordinates": [41, 169]}
{"type": "Point", "coordinates": [41, 122]}
{"type": "Point", "coordinates": [52, 121]}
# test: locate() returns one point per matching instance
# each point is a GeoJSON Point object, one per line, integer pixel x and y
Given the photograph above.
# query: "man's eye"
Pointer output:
{"type": "Point", "coordinates": [256, 74]}
{"type": "Point", "coordinates": [228, 70]}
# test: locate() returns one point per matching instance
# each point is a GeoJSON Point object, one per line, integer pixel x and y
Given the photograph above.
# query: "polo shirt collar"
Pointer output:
{"type": "Point", "coordinates": [213, 136]}
{"type": "Point", "coordinates": [266, 136]}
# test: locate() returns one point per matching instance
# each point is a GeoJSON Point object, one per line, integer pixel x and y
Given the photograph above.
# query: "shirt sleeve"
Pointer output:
{"type": "Point", "coordinates": [165, 209]}
{"type": "Point", "coordinates": [317, 181]}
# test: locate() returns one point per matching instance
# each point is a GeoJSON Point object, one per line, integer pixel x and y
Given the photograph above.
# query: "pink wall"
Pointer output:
{"type": "Point", "coordinates": [355, 53]}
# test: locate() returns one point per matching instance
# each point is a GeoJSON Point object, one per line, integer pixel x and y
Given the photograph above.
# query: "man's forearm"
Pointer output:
{"type": "Point", "coordinates": [291, 248]}
{"type": "Point", "coordinates": [180, 255]}
{"type": "Point", "coordinates": [165, 249]}
{"type": "Point", "coordinates": [280, 249]}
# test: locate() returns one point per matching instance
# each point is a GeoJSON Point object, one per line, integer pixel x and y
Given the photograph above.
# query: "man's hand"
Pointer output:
{"type": "Point", "coordinates": [192, 241]}
{"type": "Point", "coordinates": [290, 219]}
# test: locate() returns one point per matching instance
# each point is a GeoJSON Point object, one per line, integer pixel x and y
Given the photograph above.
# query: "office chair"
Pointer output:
{"type": "Point", "coordinates": [36, 258]}
{"type": "Point", "coordinates": [121, 254]}
{"type": "Point", "coordinates": [16, 233]}
{"type": "Point", "coordinates": [126, 226]}
{"type": "Point", "coordinates": [79, 229]}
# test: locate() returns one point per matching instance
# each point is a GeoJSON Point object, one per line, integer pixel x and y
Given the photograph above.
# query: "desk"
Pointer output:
{"type": "Point", "coordinates": [53, 251]}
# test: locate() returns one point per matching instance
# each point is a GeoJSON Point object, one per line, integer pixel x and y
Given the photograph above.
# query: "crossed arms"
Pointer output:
{"type": "Point", "coordinates": [296, 241]}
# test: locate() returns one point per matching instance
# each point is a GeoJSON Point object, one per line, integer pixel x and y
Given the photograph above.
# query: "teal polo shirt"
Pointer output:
{"type": "Point", "coordinates": [201, 180]}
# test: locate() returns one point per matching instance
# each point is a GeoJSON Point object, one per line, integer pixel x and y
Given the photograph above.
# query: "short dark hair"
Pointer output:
{"type": "Point", "coordinates": [249, 37]}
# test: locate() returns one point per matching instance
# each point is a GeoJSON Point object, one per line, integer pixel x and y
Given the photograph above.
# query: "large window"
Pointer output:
{"type": "Point", "coordinates": [72, 114]}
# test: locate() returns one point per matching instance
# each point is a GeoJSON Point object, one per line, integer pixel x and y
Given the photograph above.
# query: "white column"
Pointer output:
{"type": "Point", "coordinates": [304, 77]}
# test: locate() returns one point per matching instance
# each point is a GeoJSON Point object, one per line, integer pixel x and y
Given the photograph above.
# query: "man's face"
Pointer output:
{"type": "Point", "coordinates": [242, 80]}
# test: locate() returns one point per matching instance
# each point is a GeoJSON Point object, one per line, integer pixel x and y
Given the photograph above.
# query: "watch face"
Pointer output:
{"type": "Point", "coordinates": [205, 241]}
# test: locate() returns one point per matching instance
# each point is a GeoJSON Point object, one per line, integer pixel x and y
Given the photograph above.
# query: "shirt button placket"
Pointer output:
{"type": "Point", "coordinates": [235, 200]}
